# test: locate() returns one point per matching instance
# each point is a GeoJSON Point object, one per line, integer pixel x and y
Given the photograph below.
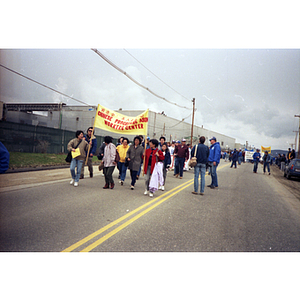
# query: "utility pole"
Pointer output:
{"type": "Point", "coordinates": [296, 140]}
{"type": "Point", "coordinates": [193, 121]}
{"type": "Point", "coordinates": [298, 116]}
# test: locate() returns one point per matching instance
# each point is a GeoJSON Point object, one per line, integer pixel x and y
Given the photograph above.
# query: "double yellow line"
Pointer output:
{"type": "Point", "coordinates": [154, 203]}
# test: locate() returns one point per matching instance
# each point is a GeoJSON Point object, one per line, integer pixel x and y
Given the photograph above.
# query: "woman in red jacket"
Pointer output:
{"type": "Point", "coordinates": [150, 159]}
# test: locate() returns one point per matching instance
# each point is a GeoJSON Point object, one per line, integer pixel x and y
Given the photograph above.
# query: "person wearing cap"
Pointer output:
{"type": "Point", "coordinates": [181, 154]}
{"type": "Point", "coordinates": [256, 158]}
{"type": "Point", "coordinates": [213, 161]}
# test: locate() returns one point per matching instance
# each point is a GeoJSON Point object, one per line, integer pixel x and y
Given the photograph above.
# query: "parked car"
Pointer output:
{"type": "Point", "coordinates": [293, 169]}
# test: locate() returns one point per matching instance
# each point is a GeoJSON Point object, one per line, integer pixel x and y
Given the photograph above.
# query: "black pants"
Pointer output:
{"type": "Point", "coordinates": [133, 175]}
{"type": "Point", "coordinates": [108, 171]}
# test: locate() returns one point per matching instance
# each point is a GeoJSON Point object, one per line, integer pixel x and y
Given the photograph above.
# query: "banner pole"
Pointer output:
{"type": "Point", "coordinates": [144, 154]}
{"type": "Point", "coordinates": [146, 129]}
{"type": "Point", "coordinates": [88, 153]}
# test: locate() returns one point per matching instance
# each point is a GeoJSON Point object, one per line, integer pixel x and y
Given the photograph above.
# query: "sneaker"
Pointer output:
{"type": "Point", "coordinates": [72, 181]}
{"type": "Point", "coordinates": [76, 184]}
{"type": "Point", "coordinates": [146, 192]}
{"type": "Point", "coordinates": [122, 182]}
{"type": "Point", "coordinates": [151, 194]}
{"type": "Point", "coordinates": [162, 188]}
{"type": "Point", "coordinates": [132, 187]}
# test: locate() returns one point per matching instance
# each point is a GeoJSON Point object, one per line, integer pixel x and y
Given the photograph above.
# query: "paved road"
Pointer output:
{"type": "Point", "coordinates": [40, 211]}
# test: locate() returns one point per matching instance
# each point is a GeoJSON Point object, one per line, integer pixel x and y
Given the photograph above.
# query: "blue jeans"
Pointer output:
{"type": "Point", "coordinates": [122, 170]}
{"type": "Point", "coordinates": [199, 169]}
{"type": "Point", "coordinates": [179, 163]}
{"type": "Point", "coordinates": [76, 164]}
{"type": "Point", "coordinates": [266, 164]}
{"type": "Point", "coordinates": [233, 163]}
{"type": "Point", "coordinates": [240, 159]}
{"type": "Point", "coordinates": [255, 166]}
{"type": "Point", "coordinates": [213, 173]}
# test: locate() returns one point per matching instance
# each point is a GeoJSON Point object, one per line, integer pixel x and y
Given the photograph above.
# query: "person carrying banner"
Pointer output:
{"type": "Point", "coordinates": [134, 156]}
{"type": "Point", "coordinates": [109, 162]}
{"type": "Point", "coordinates": [90, 137]}
{"type": "Point", "coordinates": [122, 150]}
{"type": "Point", "coordinates": [77, 161]}
{"type": "Point", "coordinates": [150, 159]}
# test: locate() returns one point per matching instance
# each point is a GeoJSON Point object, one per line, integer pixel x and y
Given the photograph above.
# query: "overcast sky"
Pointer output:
{"type": "Point", "coordinates": [240, 63]}
{"type": "Point", "coordinates": [251, 95]}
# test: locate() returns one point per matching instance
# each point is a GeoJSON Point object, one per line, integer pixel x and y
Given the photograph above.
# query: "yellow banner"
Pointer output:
{"type": "Point", "coordinates": [264, 149]}
{"type": "Point", "coordinates": [109, 120]}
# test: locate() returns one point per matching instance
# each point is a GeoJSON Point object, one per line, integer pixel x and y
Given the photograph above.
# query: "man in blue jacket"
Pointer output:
{"type": "Point", "coordinates": [256, 157]}
{"type": "Point", "coordinates": [213, 161]}
{"type": "Point", "coordinates": [90, 137]}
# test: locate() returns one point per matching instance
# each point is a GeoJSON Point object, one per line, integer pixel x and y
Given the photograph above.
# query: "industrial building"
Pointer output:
{"type": "Point", "coordinates": [72, 118]}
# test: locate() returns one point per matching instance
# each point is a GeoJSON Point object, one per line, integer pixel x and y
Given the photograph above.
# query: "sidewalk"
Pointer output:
{"type": "Point", "coordinates": [20, 180]}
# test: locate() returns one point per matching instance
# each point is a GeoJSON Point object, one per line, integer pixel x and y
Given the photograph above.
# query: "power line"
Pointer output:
{"type": "Point", "coordinates": [44, 85]}
{"type": "Point", "coordinates": [123, 72]}
{"type": "Point", "coordinates": [156, 75]}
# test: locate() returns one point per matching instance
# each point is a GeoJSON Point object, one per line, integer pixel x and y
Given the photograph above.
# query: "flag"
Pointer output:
{"type": "Point", "coordinates": [109, 120]}
{"type": "Point", "coordinates": [264, 149]}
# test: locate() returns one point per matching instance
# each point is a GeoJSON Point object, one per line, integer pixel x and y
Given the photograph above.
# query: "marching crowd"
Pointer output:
{"type": "Point", "coordinates": [155, 159]}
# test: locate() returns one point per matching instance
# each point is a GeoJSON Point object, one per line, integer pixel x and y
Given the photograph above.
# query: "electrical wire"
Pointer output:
{"type": "Point", "coordinates": [156, 75]}
{"type": "Point", "coordinates": [44, 85]}
{"type": "Point", "coordinates": [123, 72]}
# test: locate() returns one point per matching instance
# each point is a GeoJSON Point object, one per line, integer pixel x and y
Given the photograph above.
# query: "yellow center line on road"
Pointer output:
{"type": "Point", "coordinates": [113, 232]}
{"type": "Point", "coordinates": [164, 197]}
{"type": "Point", "coordinates": [96, 233]}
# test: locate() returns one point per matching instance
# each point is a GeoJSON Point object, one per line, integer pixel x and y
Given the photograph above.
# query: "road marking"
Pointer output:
{"type": "Point", "coordinates": [165, 197]}
{"type": "Point", "coordinates": [91, 236]}
{"type": "Point", "coordinates": [107, 236]}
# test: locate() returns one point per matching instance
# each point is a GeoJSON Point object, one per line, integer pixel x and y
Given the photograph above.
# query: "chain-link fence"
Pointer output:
{"type": "Point", "coordinates": [34, 139]}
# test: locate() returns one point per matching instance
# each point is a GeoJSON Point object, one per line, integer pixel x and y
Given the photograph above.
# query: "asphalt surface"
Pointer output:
{"type": "Point", "coordinates": [40, 211]}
